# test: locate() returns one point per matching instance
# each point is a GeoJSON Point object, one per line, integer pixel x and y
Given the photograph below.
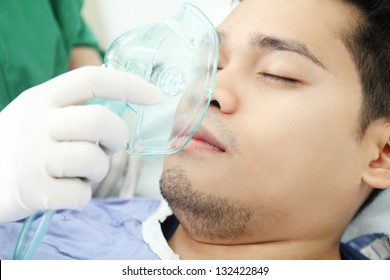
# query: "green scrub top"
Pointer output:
{"type": "Point", "coordinates": [36, 38]}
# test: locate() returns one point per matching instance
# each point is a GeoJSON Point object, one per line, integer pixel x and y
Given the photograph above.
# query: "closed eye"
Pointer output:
{"type": "Point", "coordinates": [280, 79]}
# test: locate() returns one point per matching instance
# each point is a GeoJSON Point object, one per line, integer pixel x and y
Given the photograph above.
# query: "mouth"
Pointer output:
{"type": "Point", "coordinates": [204, 141]}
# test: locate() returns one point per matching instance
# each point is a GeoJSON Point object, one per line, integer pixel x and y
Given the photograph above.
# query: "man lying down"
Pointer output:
{"type": "Point", "coordinates": [295, 143]}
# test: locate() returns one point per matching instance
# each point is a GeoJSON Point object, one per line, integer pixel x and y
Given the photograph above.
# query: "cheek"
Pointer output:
{"type": "Point", "coordinates": [293, 148]}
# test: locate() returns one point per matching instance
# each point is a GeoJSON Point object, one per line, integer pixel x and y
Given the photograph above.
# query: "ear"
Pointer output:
{"type": "Point", "coordinates": [377, 174]}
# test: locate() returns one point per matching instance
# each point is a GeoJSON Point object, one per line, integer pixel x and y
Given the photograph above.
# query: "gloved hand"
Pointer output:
{"type": "Point", "coordinates": [52, 146]}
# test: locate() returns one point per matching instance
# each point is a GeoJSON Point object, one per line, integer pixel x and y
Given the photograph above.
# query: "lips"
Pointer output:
{"type": "Point", "coordinates": [203, 140]}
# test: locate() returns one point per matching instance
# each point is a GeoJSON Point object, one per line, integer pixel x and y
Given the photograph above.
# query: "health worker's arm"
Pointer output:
{"type": "Point", "coordinates": [83, 56]}
{"type": "Point", "coordinates": [82, 44]}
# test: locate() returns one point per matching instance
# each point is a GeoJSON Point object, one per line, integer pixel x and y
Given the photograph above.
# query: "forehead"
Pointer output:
{"type": "Point", "coordinates": [316, 23]}
{"type": "Point", "coordinates": [335, 13]}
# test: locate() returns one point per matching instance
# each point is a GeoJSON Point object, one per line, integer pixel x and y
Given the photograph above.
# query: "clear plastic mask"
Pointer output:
{"type": "Point", "coordinates": [180, 56]}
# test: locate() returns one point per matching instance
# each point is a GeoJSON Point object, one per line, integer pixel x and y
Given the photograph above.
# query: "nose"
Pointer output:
{"type": "Point", "coordinates": [224, 97]}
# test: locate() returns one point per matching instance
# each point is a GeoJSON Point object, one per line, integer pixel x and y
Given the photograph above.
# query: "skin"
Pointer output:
{"type": "Point", "coordinates": [82, 56]}
{"type": "Point", "coordinates": [289, 172]}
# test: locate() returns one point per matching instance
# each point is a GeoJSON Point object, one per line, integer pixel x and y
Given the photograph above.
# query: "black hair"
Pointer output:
{"type": "Point", "coordinates": [369, 45]}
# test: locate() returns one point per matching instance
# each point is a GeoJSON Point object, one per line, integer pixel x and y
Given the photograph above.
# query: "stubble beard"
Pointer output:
{"type": "Point", "coordinates": [203, 216]}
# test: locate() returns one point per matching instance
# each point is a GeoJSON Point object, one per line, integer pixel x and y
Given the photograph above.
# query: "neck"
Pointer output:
{"type": "Point", "coordinates": [189, 248]}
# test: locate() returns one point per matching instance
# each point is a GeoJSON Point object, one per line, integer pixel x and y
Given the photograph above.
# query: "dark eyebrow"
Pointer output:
{"type": "Point", "coordinates": [261, 41]}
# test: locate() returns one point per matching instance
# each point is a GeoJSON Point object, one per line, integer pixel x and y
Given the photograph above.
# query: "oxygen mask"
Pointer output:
{"type": "Point", "coordinates": [179, 55]}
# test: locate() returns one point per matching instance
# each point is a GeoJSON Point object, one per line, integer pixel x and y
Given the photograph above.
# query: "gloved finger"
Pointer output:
{"type": "Point", "coordinates": [77, 160]}
{"type": "Point", "coordinates": [114, 177]}
{"type": "Point", "coordinates": [83, 84]}
{"type": "Point", "coordinates": [93, 123]}
{"type": "Point", "coordinates": [67, 193]}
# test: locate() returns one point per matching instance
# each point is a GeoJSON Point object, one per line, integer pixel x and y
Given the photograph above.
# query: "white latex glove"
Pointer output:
{"type": "Point", "coordinates": [115, 177]}
{"type": "Point", "coordinates": [48, 151]}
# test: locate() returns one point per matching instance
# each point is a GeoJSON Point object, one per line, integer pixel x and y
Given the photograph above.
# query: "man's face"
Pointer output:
{"type": "Point", "coordinates": [277, 156]}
